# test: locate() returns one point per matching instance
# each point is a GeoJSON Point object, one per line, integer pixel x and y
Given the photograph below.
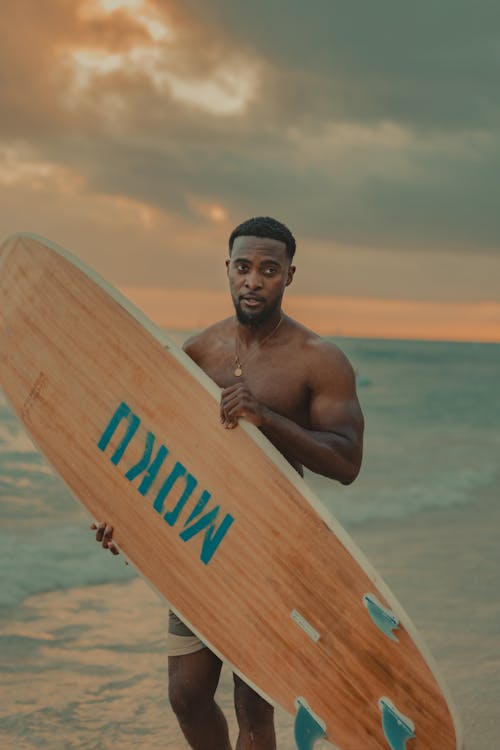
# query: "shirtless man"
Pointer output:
{"type": "Point", "coordinates": [299, 390]}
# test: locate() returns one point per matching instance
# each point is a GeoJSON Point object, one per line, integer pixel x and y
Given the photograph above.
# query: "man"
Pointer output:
{"type": "Point", "coordinates": [299, 390]}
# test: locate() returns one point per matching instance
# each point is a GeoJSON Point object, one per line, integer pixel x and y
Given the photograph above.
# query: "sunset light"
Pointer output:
{"type": "Point", "coordinates": [225, 92]}
{"type": "Point", "coordinates": [14, 169]}
{"type": "Point", "coordinates": [223, 89]}
{"type": "Point", "coordinates": [137, 10]}
{"type": "Point", "coordinates": [110, 5]}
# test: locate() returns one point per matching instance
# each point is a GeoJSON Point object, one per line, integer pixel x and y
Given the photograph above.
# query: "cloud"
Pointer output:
{"type": "Point", "coordinates": [370, 130]}
{"type": "Point", "coordinates": [430, 64]}
{"type": "Point", "coordinates": [154, 56]}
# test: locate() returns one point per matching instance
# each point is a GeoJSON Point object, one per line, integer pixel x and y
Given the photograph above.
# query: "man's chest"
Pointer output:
{"type": "Point", "coordinates": [275, 381]}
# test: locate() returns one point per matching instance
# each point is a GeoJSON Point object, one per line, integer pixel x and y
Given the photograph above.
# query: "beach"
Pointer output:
{"type": "Point", "coordinates": [82, 637]}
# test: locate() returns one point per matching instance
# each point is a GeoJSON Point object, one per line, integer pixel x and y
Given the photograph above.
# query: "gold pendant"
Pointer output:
{"type": "Point", "coordinates": [238, 372]}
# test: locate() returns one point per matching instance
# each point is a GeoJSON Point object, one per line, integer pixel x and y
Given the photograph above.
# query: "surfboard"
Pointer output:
{"type": "Point", "coordinates": [215, 520]}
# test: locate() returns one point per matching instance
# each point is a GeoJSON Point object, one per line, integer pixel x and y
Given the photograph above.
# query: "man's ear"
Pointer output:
{"type": "Point", "coordinates": [290, 274]}
{"type": "Point", "coordinates": [228, 261]}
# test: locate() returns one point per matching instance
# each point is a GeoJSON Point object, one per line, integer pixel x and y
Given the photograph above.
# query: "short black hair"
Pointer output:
{"type": "Point", "coordinates": [264, 226]}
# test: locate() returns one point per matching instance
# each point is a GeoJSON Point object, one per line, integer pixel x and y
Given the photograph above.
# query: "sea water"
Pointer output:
{"type": "Point", "coordinates": [431, 441]}
{"type": "Point", "coordinates": [431, 437]}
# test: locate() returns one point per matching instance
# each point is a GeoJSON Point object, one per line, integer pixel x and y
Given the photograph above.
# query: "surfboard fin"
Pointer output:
{"type": "Point", "coordinates": [384, 619]}
{"type": "Point", "coordinates": [308, 726]}
{"type": "Point", "coordinates": [398, 729]}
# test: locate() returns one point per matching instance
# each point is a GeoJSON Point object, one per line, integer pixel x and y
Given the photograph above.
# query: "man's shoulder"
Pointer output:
{"type": "Point", "coordinates": [321, 354]}
{"type": "Point", "coordinates": [212, 336]}
{"type": "Point", "coordinates": [317, 346]}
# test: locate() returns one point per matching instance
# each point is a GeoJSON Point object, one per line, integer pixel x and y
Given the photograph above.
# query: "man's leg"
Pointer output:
{"type": "Point", "coordinates": [193, 680]}
{"type": "Point", "coordinates": [255, 719]}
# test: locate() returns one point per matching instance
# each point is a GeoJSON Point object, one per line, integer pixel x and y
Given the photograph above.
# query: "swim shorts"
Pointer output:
{"type": "Point", "coordinates": [181, 640]}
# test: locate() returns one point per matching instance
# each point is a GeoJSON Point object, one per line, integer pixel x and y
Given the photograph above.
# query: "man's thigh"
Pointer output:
{"type": "Point", "coordinates": [193, 678]}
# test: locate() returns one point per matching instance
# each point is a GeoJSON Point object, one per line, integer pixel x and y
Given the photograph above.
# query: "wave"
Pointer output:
{"type": "Point", "coordinates": [38, 559]}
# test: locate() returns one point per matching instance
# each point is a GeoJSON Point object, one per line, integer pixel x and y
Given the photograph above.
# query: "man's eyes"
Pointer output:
{"type": "Point", "coordinates": [269, 271]}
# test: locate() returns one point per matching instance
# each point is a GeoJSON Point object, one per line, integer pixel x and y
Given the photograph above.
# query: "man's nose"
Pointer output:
{"type": "Point", "coordinates": [253, 280]}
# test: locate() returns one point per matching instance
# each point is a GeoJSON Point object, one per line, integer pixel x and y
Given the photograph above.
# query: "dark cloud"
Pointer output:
{"type": "Point", "coordinates": [434, 64]}
{"type": "Point", "coordinates": [372, 125]}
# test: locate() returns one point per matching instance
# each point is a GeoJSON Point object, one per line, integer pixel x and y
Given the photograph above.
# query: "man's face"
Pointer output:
{"type": "Point", "coordinates": [258, 272]}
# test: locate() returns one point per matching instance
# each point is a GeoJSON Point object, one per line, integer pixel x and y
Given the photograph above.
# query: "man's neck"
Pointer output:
{"type": "Point", "coordinates": [249, 333]}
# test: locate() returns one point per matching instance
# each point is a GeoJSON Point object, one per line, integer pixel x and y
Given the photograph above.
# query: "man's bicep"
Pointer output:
{"type": "Point", "coordinates": [334, 405]}
{"type": "Point", "coordinates": [334, 414]}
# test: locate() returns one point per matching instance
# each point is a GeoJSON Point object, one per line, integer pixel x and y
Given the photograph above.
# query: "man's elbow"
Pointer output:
{"type": "Point", "coordinates": [350, 471]}
{"type": "Point", "coordinates": [343, 466]}
{"type": "Point", "coordinates": [348, 478]}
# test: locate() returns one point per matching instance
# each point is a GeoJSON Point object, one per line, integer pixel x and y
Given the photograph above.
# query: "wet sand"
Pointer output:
{"type": "Point", "coordinates": [86, 668]}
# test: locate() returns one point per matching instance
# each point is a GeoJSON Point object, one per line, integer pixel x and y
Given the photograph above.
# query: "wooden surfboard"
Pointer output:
{"type": "Point", "coordinates": [216, 520]}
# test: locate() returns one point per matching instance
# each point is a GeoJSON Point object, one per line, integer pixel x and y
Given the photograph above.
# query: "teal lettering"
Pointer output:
{"type": "Point", "coordinates": [171, 516]}
{"type": "Point", "coordinates": [149, 464]}
{"type": "Point", "coordinates": [213, 538]}
{"type": "Point", "coordinates": [144, 464]}
{"type": "Point", "coordinates": [177, 472]}
{"type": "Point", "coordinates": [213, 535]}
{"type": "Point", "coordinates": [123, 412]}
{"type": "Point", "coordinates": [200, 505]}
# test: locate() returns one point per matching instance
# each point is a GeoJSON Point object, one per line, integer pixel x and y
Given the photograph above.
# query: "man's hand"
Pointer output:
{"type": "Point", "coordinates": [104, 535]}
{"type": "Point", "coordinates": [237, 401]}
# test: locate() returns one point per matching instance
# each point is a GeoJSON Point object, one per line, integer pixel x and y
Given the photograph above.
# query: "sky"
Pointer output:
{"type": "Point", "coordinates": [138, 133]}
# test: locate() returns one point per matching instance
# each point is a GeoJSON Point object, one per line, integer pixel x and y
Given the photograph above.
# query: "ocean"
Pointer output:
{"type": "Point", "coordinates": [431, 438]}
{"type": "Point", "coordinates": [77, 659]}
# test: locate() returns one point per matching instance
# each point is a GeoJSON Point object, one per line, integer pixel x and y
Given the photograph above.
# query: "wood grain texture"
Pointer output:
{"type": "Point", "coordinates": [71, 351]}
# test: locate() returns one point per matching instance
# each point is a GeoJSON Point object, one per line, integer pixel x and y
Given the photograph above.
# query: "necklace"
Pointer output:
{"type": "Point", "coordinates": [238, 364]}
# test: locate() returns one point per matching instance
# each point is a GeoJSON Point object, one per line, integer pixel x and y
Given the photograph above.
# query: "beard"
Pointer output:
{"type": "Point", "coordinates": [256, 319]}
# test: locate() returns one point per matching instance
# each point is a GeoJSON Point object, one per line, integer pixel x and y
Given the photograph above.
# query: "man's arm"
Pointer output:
{"type": "Point", "coordinates": [332, 444]}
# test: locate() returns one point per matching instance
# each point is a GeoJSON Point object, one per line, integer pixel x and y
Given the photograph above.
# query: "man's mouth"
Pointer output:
{"type": "Point", "coordinates": [251, 300]}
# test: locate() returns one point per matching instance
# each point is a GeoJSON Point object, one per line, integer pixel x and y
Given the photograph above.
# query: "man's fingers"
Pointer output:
{"type": "Point", "coordinates": [232, 402]}
{"type": "Point", "coordinates": [225, 412]}
{"type": "Point", "coordinates": [107, 536]}
{"type": "Point", "coordinates": [99, 529]}
{"type": "Point", "coordinates": [232, 389]}
{"type": "Point", "coordinates": [229, 416]}
{"type": "Point", "coordinates": [104, 534]}
{"type": "Point", "coordinates": [237, 401]}
{"type": "Point", "coordinates": [232, 398]}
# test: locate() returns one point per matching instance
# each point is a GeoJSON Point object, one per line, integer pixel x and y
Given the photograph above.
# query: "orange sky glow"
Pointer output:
{"type": "Point", "coordinates": [191, 310]}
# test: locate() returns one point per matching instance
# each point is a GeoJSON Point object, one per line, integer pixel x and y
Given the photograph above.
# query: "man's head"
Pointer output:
{"type": "Point", "coordinates": [264, 226]}
{"type": "Point", "coordinates": [259, 268]}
